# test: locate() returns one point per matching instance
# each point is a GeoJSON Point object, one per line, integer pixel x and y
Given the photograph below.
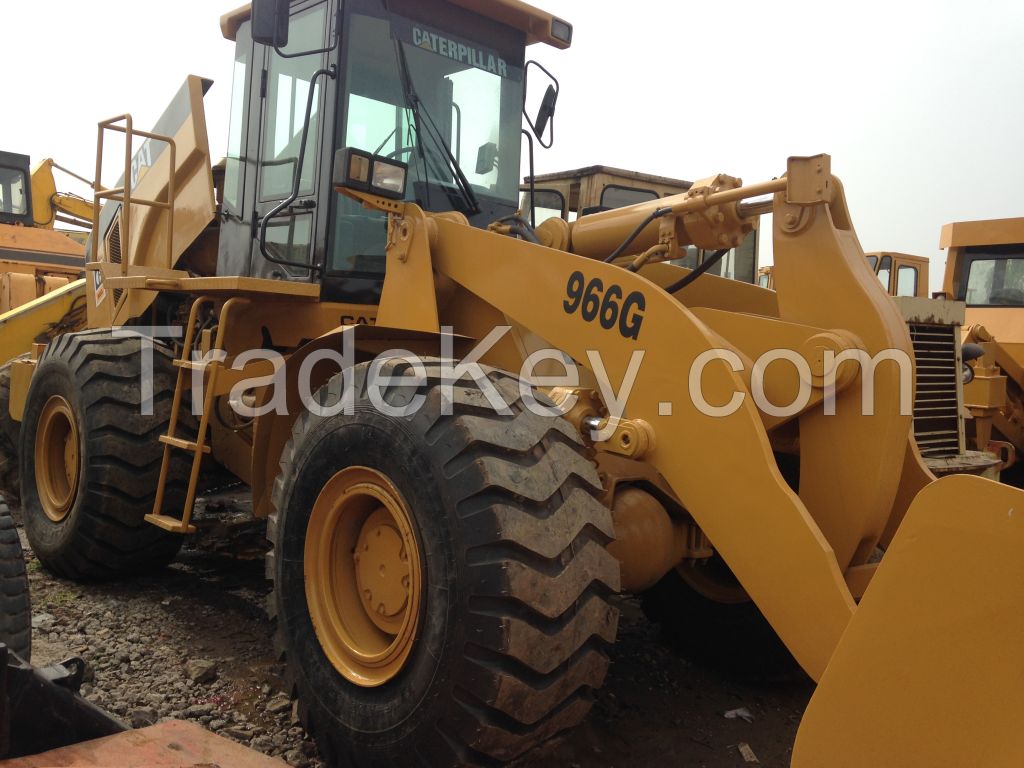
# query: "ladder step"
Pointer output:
{"type": "Point", "coordinates": [185, 445]}
{"type": "Point", "coordinates": [195, 365]}
{"type": "Point", "coordinates": [170, 524]}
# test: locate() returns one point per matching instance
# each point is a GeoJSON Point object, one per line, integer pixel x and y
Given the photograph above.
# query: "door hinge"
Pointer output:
{"type": "Point", "coordinates": [263, 84]}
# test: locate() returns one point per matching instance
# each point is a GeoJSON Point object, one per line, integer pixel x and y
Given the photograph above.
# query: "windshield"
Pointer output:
{"type": "Point", "coordinates": [414, 92]}
{"type": "Point", "coordinates": [995, 280]}
{"type": "Point", "coordinates": [469, 96]}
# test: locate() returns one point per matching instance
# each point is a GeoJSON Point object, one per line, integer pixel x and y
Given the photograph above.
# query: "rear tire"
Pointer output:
{"type": "Point", "coordinates": [511, 538]}
{"type": "Point", "coordinates": [92, 382]}
{"type": "Point", "coordinates": [15, 605]}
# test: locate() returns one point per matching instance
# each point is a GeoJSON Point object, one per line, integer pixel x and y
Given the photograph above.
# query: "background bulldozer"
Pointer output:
{"type": "Point", "coordinates": [467, 433]}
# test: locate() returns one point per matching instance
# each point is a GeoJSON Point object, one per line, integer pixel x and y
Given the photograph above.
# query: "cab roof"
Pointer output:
{"type": "Point", "coordinates": [964, 234]}
{"type": "Point", "coordinates": [539, 26]}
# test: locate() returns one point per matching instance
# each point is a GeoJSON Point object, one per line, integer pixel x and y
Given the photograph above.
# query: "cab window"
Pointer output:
{"type": "Point", "coordinates": [906, 281]}
{"type": "Point", "coordinates": [995, 282]}
{"type": "Point", "coordinates": [287, 93]}
{"type": "Point", "coordinates": [550, 204]}
{"type": "Point", "coordinates": [615, 196]}
{"type": "Point", "coordinates": [885, 272]}
{"type": "Point", "coordinates": [13, 199]}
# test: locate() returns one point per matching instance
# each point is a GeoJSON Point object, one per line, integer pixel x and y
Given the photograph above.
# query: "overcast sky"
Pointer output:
{"type": "Point", "coordinates": [921, 105]}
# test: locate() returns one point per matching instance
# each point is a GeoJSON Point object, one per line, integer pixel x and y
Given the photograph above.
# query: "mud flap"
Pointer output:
{"type": "Point", "coordinates": [930, 671]}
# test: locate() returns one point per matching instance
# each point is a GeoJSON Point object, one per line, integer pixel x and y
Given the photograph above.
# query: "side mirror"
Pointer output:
{"type": "Point", "coordinates": [543, 123]}
{"type": "Point", "coordinates": [546, 113]}
{"type": "Point", "coordinates": [486, 158]}
{"type": "Point", "coordinates": [270, 22]}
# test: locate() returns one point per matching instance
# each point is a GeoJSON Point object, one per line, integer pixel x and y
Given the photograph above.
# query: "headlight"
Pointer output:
{"type": "Point", "coordinates": [968, 375]}
{"type": "Point", "coordinates": [365, 172]}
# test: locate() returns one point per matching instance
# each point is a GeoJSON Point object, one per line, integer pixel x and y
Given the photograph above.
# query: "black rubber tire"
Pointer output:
{"type": "Point", "coordinates": [9, 430]}
{"type": "Point", "coordinates": [513, 540]}
{"type": "Point", "coordinates": [104, 535]}
{"type": "Point", "coordinates": [15, 605]}
{"type": "Point", "coordinates": [733, 638]}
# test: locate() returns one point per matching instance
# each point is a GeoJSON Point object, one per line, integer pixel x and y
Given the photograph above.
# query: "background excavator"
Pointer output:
{"type": "Point", "coordinates": [448, 516]}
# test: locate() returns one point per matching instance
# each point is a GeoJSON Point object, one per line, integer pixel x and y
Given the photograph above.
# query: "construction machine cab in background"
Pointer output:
{"type": "Point", "coordinates": [571, 194]}
{"type": "Point", "coordinates": [35, 258]}
{"type": "Point", "coordinates": [985, 270]}
{"type": "Point", "coordinates": [901, 273]}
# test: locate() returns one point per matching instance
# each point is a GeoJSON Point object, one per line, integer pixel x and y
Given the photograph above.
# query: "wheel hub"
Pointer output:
{"type": "Point", "coordinates": [363, 576]}
{"type": "Point", "coordinates": [382, 571]}
{"type": "Point", "coordinates": [57, 460]}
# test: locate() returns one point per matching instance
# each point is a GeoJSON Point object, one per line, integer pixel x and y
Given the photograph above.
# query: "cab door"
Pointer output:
{"type": "Point", "coordinates": [284, 86]}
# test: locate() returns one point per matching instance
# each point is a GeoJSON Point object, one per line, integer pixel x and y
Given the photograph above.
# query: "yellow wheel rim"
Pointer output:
{"type": "Point", "coordinates": [363, 576]}
{"type": "Point", "coordinates": [57, 460]}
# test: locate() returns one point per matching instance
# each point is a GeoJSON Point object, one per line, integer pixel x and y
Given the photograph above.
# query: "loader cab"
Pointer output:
{"type": "Point", "coordinates": [436, 85]}
{"type": "Point", "coordinates": [901, 274]}
{"type": "Point", "coordinates": [15, 190]}
{"type": "Point", "coordinates": [985, 269]}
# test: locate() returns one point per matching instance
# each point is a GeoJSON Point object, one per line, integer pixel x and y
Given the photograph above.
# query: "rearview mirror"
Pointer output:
{"type": "Point", "coordinates": [542, 121]}
{"type": "Point", "coordinates": [270, 22]}
{"type": "Point", "coordinates": [547, 111]}
{"type": "Point", "coordinates": [486, 158]}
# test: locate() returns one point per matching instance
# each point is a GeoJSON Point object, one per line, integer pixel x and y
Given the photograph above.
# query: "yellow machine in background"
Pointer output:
{"type": "Point", "coordinates": [952, 430]}
{"type": "Point", "coordinates": [985, 269]}
{"type": "Point", "coordinates": [42, 293]}
{"type": "Point", "coordinates": [35, 259]}
{"type": "Point", "coordinates": [445, 537]}
{"type": "Point", "coordinates": [571, 194]}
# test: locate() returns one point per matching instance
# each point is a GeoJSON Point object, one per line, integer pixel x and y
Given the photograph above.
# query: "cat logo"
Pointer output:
{"type": "Point", "coordinates": [99, 290]}
{"type": "Point", "coordinates": [142, 162]}
{"type": "Point", "coordinates": [460, 52]}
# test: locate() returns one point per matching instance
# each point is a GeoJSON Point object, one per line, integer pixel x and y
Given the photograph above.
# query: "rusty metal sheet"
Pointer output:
{"type": "Point", "coordinates": [172, 744]}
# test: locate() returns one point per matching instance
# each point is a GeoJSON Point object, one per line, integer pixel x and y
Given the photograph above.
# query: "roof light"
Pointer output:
{"type": "Point", "coordinates": [561, 30]}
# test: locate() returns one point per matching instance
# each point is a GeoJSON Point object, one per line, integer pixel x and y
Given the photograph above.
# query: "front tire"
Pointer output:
{"type": "Point", "coordinates": [506, 541]}
{"type": "Point", "coordinates": [90, 458]}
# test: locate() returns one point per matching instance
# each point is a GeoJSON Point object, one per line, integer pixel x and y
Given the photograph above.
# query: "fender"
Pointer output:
{"type": "Point", "coordinates": [272, 431]}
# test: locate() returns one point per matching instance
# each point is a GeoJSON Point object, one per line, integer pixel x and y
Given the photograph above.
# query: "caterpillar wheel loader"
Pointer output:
{"type": "Point", "coordinates": [466, 433]}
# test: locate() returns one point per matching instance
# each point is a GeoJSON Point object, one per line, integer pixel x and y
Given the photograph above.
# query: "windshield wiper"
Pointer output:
{"type": "Point", "coordinates": [419, 111]}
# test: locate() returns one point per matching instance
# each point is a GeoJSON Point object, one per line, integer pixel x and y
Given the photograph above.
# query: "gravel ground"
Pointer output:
{"type": "Point", "coordinates": [193, 643]}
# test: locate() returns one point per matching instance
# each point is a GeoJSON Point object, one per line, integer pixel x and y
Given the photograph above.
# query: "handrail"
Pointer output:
{"type": "Point", "coordinates": [123, 124]}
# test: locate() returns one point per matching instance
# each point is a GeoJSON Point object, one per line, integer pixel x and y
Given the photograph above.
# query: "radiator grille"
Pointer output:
{"type": "Point", "coordinates": [114, 250]}
{"type": "Point", "coordinates": [936, 406]}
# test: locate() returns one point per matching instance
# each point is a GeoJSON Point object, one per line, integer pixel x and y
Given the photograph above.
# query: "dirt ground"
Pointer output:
{"type": "Point", "coordinates": [194, 643]}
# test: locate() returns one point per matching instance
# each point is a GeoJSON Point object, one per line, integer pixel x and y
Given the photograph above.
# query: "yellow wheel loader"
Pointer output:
{"type": "Point", "coordinates": [42, 293]}
{"type": "Point", "coordinates": [467, 433]}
